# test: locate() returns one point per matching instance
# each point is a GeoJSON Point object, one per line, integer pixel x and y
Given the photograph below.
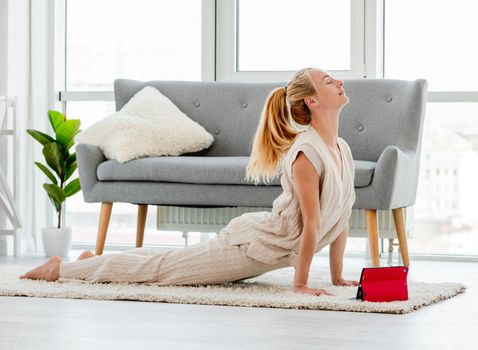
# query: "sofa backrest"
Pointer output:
{"type": "Point", "coordinates": [381, 112]}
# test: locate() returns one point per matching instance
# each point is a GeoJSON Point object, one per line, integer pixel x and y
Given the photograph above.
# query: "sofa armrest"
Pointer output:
{"type": "Point", "coordinates": [88, 158]}
{"type": "Point", "coordinates": [395, 178]}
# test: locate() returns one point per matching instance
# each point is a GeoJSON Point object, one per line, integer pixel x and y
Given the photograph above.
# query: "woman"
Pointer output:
{"type": "Point", "coordinates": [312, 212]}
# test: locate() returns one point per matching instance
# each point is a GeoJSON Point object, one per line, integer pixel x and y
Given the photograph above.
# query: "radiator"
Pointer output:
{"type": "Point", "coordinates": [214, 219]}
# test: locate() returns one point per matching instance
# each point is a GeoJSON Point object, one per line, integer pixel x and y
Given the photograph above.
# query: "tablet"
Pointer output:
{"type": "Point", "coordinates": [380, 284]}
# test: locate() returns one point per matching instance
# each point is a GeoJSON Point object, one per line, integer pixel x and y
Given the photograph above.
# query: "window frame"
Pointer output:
{"type": "Point", "coordinates": [227, 46]}
{"type": "Point", "coordinates": [218, 61]}
{"type": "Point", "coordinates": [208, 15]}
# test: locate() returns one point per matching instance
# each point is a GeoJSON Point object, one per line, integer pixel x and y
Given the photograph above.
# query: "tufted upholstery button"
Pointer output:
{"type": "Point", "coordinates": [244, 104]}
{"type": "Point", "coordinates": [360, 128]}
{"type": "Point", "coordinates": [197, 103]}
{"type": "Point", "coordinates": [389, 99]}
{"type": "Point", "coordinates": [217, 131]}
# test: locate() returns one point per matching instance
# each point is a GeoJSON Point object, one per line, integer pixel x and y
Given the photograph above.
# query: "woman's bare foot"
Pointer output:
{"type": "Point", "coordinates": [85, 255]}
{"type": "Point", "coordinates": [49, 271]}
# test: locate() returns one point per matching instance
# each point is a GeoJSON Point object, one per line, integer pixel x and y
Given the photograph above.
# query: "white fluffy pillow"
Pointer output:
{"type": "Point", "coordinates": [148, 125]}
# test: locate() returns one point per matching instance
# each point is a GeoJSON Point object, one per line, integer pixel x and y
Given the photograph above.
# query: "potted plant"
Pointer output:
{"type": "Point", "coordinates": [60, 166]}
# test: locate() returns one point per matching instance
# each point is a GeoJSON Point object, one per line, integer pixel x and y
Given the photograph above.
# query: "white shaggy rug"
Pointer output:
{"type": "Point", "coordinates": [272, 290]}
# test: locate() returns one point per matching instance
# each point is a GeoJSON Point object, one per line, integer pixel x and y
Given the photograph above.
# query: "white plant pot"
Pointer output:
{"type": "Point", "coordinates": [56, 241]}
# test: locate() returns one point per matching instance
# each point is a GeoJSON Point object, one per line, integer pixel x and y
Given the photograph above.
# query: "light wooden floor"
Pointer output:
{"type": "Point", "coordinates": [38, 323]}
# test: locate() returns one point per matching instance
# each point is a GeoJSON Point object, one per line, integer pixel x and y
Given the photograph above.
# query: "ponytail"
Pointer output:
{"type": "Point", "coordinates": [277, 128]}
{"type": "Point", "coordinates": [273, 138]}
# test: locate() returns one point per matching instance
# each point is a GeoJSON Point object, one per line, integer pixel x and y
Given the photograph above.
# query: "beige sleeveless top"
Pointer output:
{"type": "Point", "coordinates": [273, 237]}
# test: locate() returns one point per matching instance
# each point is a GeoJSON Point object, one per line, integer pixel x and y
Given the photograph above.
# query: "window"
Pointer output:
{"type": "Point", "coordinates": [143, 40]}
{"type": "Point", "coordinates": [165, 40]}
{"type": "Point", "coordinates": [435, 44]}
{"type": "Point", "coordinates": [268, 40]}
{"type": "Point", "coordinates": [445, 220]}
{"type": "Point", "coordinates": [282, 35]}
{"type": "Point", "coordinates": [432, 40]}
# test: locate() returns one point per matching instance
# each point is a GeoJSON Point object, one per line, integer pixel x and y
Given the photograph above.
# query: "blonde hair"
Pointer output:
{"type": "Point", "coordinates": [275, 133]}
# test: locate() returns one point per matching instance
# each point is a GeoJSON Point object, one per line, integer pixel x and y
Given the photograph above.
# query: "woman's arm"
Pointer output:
{"type": "Point", "coordinates": [306, 183]}
{"type": "Point", "coordinates": [336, 258]}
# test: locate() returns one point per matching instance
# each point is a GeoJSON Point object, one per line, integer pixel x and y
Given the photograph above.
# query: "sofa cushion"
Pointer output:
{"type": "Point", "coordinates": [200, 170]}
{"type": "Point", "coordinates": [185, 169]}
{"type": "Point", "coordinates": [148, 125]}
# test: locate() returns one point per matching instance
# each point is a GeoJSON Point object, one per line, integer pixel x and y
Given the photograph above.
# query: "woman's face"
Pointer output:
{"type": "Point", "coordinates": [330, 91]}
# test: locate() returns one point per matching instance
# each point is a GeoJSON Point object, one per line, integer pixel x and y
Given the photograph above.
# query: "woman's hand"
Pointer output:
{"type": "Point", "coordinates": [342, 282]}
{"type": "Point", "coordinates": [311, 291]}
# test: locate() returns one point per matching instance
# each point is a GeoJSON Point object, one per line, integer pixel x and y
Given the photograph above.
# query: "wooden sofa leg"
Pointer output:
{"type": "Point", "coordinates": [399, 219]}
{"type": "Point", "coordinates": [142, 213]}
{"type": "Point", "coordinates": [372, 227]}
{"type": "Point", "coordinates": [105, 215]}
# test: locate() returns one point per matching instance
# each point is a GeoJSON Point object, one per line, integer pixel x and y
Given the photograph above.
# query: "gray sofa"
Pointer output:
{"type": "Point", "coordinates": [382, 124]}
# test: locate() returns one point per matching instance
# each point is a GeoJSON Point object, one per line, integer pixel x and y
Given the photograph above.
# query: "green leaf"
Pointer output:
{"type": "Point", "coordinates": [69, 171]}
{"type": "Point", "coordinates": [66, 132]}
{"type": "Point", "coordinates": [71, 159]}
{"type": "Point", "coordinates": [73, 187]}
{"type": "Point", "coordinates": [47, 172]}
{"type": "Point", "coordinates": [40, 136]}
{"type": "Point", "coordinates": [56, 193]}
{"type": "Point", "coordinates": [56, 119]}
{"type": "Point", "coordinates": [54, 158]}
{"type": "Point", "coordinates": [55, 204]}
{"type": "Point", "coordinates": [70, 144]}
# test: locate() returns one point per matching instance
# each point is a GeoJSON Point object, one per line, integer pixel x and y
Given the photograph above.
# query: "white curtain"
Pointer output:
{"type": "Point", "coordinates": [30, 68]}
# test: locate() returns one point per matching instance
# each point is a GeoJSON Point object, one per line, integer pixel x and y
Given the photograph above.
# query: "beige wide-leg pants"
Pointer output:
{"type": "Point", "coordinates": [212, 262]}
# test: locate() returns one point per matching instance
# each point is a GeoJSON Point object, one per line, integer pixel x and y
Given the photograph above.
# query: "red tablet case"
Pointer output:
{"type": "Point", "coordinates": [383, 284]}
